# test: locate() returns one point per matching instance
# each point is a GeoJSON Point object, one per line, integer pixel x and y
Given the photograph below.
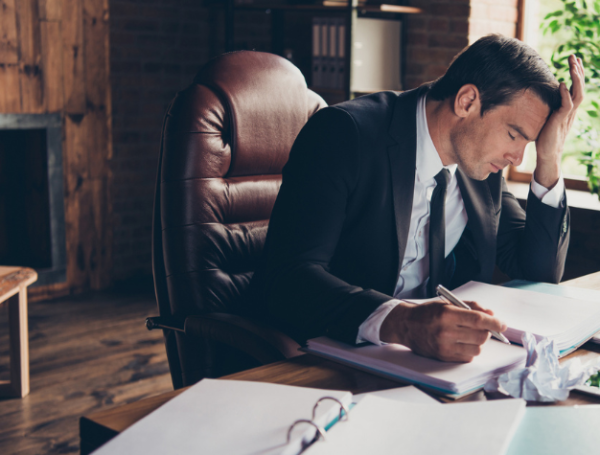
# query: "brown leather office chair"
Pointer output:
{"type": "Point", "coordinates": [224, 143]}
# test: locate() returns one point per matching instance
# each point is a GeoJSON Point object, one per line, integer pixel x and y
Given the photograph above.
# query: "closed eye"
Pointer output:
{"type": "Point", "coordinates": [511, 136]}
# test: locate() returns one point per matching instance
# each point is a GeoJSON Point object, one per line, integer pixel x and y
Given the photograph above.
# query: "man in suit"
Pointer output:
{"type": "Point", "coordinates": [388, 195]}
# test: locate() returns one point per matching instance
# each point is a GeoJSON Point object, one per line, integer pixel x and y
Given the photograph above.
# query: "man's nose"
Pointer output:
{"type": "Point", "coordinates": [515, 157]}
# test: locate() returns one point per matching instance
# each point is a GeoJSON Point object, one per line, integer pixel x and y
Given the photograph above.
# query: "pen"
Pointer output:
{"type": "Point", "coordinates": [446, 294]}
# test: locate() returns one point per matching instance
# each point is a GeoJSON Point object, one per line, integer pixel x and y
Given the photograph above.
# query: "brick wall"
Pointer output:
{"type": "Point", "coordinates": [156, 48]}
{"type": "Point", "coordinates": [445, 28]}
{"type": "Point", "coordinates": [489, 16]}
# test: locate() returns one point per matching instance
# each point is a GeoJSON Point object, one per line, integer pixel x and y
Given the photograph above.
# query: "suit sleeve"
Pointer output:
{"type": "Point", "coordinates": [532, 245]}
{"type": "Point", "coordinates": [306, 223]}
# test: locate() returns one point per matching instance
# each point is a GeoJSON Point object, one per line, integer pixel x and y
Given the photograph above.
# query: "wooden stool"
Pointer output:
{"type": "Point", "coordinates": [13, 288]}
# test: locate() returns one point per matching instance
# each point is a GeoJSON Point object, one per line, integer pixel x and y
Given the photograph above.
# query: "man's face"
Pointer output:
{"type": "Point", "coordinates": [482, 145]}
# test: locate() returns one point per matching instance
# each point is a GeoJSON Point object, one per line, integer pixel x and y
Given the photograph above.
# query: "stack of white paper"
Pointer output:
{"type": "Point", "coordinates": [591, 295]}
{"type": "Point", "coordinates": [569, 322]}
{"type": "Point", "coordinates": [399, 362]}
{"type": "Point", "coordinates": [381, 426]}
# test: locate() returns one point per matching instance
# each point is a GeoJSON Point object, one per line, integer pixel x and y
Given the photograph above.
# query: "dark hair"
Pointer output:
{"type": "Point", "coordinates": [499, 67]}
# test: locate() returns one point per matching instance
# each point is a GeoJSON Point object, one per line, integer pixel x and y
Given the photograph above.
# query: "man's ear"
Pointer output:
{"type": "Point", "coordinates": [467, 101]}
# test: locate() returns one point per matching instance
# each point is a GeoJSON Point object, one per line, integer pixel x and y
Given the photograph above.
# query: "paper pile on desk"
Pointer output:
{"type": "Point", "coordinates": [542, 378]}
{"type": "Point", "coordinates": [399, 362]}
{"type": "Point", "coordinates": [569, 322]}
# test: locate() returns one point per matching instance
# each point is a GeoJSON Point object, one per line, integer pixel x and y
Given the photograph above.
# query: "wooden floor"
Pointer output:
{"type": "Point", "coordinates": [87, 353]}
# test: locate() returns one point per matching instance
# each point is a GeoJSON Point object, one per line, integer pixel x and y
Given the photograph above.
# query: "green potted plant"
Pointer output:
{"type": "Point", "coordinates": [578, 22]}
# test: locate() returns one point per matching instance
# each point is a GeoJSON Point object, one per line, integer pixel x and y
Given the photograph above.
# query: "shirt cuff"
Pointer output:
{"type": "Point", "coordinates": [554, 197]}
{"type": "Point", "coordinates": [369, 329]}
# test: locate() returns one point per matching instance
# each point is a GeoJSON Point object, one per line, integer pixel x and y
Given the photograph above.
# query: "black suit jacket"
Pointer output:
{"type": "Point", "coordinates": [339, 227]}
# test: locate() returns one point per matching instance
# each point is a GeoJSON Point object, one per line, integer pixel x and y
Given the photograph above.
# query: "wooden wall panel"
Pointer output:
{"type": "Point", "coordinates": [30, 57]}
{"type": "Point", "coordinates": [76, 199]}
{"type": "Point", "coordinates": [52, 65]}
{"type": "Point", "coordinates": [10, 98]}
{"type": "Point", "coordinates": [8, 32]}
{"type": "Point", "coordinates": [96, 30]}
{"type": "Point", "coordinates": [50, 10]}
{"type": "Point", "coordinates": [73, 57]}
{"type": "Point", "coordinates": [97, 82]}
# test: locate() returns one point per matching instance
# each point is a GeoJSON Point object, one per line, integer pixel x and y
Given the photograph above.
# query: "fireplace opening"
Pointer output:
{"type": "Point", "coordinates": [32, 213]}
{"type": "Point", "coordinates": [25, 236]}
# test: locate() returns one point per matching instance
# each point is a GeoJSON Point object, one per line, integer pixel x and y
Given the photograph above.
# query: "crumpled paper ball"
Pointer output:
{"type": "Point", "coordinates": [542, 378]}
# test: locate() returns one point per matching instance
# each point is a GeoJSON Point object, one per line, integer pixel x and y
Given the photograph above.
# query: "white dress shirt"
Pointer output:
{"type": "Point", "coordinates": [414, 274]}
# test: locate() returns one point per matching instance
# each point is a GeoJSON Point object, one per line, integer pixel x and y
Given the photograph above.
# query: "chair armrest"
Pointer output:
{"type": "Point", "coordinates": [160, 322]}
{"type": "Point", "coordinates": [258, 340]}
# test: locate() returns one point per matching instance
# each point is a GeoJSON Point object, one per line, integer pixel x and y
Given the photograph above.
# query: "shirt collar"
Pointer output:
{"type": "Point", "coordinates": [429, 163]}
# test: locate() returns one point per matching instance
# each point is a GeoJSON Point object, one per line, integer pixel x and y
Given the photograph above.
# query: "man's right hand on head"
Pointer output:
{"type": "Point", "coordinates": [441, 331]}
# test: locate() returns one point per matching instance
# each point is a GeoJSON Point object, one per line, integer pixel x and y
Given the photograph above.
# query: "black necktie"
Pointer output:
{"type": "Point", "coordinates": [437, 232]}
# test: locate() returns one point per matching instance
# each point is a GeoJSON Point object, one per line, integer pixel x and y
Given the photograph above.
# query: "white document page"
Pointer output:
{"type": "Point", "coordinates": [380, 426]}
{"type": "Point", "coordinates": [228, 417]}
{"type": "Point", "coordinates": [407, 394]}
{"type": "Point", "coordinates": [563, 319]}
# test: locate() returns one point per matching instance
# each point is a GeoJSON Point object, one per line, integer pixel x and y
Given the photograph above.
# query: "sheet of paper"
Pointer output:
{"type": "Point", "coordinates": [407, 394]}
{"type": "Point", "coordinates": [557, 430]}
{"type": "Point", "coordinates": [227, 417]}
{"type": "Point", "coordinates": [562, 318]}
{"type": "Point", "coordinates": [591, 295]}
{"type": "Point", "coordinates": [381, 426]}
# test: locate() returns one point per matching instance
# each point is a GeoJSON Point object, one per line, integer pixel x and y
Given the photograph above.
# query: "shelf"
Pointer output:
{"type": "Point", "coordinates": [331, 14]}
{"type": "Point", "coordinates": [328, 91]}
{"type": "Point", "coordinates": [334, 7]}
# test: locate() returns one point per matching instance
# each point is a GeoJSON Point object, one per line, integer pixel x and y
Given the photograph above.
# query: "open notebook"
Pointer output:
{"type": "Point", "coordinates": [230, 417]}
{"type": "Point", "coordinates": [398, 362]}
{"type": "Point", "coordinates": [381, 426]}
{"type": "Point", "coordinates": [570, 322]}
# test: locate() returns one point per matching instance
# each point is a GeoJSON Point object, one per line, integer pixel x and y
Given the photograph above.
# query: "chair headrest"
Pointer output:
{"type": "Point", "coordinates": [267, 102]}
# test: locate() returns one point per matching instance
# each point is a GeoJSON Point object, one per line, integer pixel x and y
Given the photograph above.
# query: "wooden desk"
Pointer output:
{"type": "Point", "coordinates": [307, 371]}
{"type": "Point", "coordinates": [13, 290]}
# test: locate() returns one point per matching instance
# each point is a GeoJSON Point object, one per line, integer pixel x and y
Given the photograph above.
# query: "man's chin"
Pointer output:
{"type": "Point", "coordinates": [476, 174]}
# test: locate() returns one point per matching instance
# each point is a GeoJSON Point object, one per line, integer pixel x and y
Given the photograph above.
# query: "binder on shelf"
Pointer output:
{"type": "Point", "coordinates": [341, 53]}
{"type": "Point", "coordinates": [333, 53]}
{"type": "Point", "coordinates": [316, 52]}
{"type": "Point", "coordinates": [324, 52]}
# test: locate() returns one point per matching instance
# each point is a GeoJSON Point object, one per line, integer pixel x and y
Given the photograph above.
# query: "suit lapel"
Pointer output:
{"type": "Point", "coordinates": [402, 158]}
{"type": "Point", "coordinates": [482, 217]}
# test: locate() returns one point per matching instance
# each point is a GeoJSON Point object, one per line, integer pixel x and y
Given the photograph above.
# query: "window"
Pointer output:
{"type": "Point", "coordinates": [532, 13]}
